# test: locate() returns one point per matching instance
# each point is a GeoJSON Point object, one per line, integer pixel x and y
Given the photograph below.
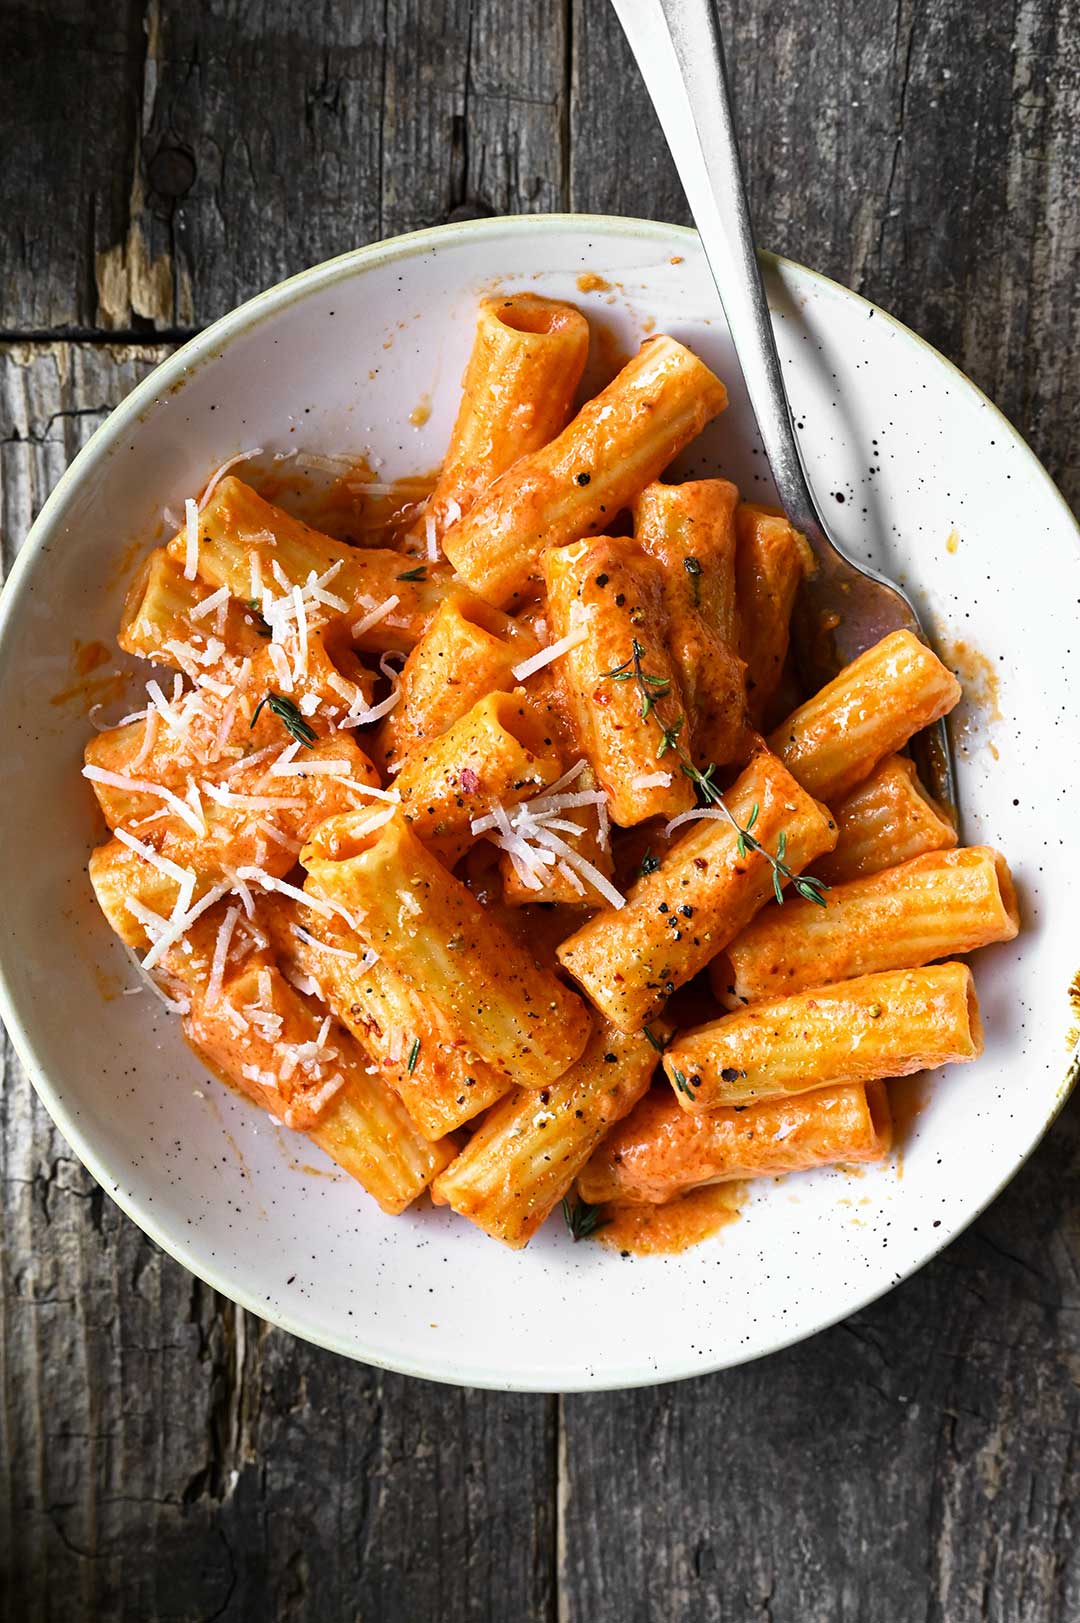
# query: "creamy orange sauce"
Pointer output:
{"type": "Point", "coordinates": [421, 412]}
{"type": "Point", "coordinates": [108, 984]}
{"type": "Point", "coordinates": [654, 1231]}
{"type": "Point", "coordinates": [590, 282]}
{"type": "Point", "coordinates": [88, 656]}
{"type": "Point", "coordinates": [610, 355]}
{"type": "Point", "coordinates": [88, 690]}
{"type": "Point", "coordinates": [341, 507]}
{"type": "Point", "coordinates": [908, 1098]}
{"type": "Point", "coordinates": [979, 707]}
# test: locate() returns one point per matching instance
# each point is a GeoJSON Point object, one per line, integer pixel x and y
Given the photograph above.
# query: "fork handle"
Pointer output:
{"type": "Point", "coordinates": [679, 52]}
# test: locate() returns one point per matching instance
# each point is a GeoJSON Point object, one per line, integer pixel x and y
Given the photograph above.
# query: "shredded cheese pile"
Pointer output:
{"type": "Point", "coordinates": [530, 835]}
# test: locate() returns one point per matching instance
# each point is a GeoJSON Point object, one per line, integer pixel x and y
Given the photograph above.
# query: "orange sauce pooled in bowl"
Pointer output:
{"type": "Point", "coordinates": [651, 1231]}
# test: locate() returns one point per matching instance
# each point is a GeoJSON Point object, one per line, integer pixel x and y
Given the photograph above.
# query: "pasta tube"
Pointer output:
{"type": "Point", "coordinates": [531, 1147]}
{"type": "Point", "coordinates": [935, 906]}
{"type": "Point", "coordinates": [496, 755]}
{"type": "Point", "coordinates": [261, 1037]}
{"type": "Point", "coordinates": [242, 538]}
{"type": "Point", "coordinates": [428, 927]}
{"type": "Point", "coordinates": [618, 442]}
{"type": "Point", "coordinates": [417, 1051]}
{"type": "Point", "coordinates": [888, 819]}
{"type": "Point", "coordinates": [688, 529]}
{"type": "Point", "coordinates": [701, 895]}
{"type": "Point", "coordinates": [872, 708]}
{"type": "Point", "coordinates": [888, 1024]}
{"type": "Point", "coordinates": [610, 595]}
{"type": "Point", "coordinates": [468, 651]}
{"type": "Point", "coordinates": [517, 393]}
{"type": "Point", "coordinates": [770, 563]}
{"type": "Point", "coordinates": [162, 607]}
{"type": "Point", "coordinates": [660, 1152]}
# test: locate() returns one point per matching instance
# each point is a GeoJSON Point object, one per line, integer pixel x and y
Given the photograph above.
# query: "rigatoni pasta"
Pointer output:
{"type": "Point", "coordinates": [935, 906]}
{"type": "Point", "coordinates": [688, 529]}
{"type": "Point", "coordinates": [252, 1028]}
{"type": "Point", "coordinates": [660, 1152]}
{"type": "Point", "coordinates": [861, 1030]}
{"type": "Point", "coordinates": [468, 651]}
{"type": "Point", "coordinates": [770, 562]}
{"type": "Point", "coordinates": [457, 848]}
{"type": "Point", "coordinates": [497, 754]}
{"type": "Point", "coordinates": [606, 605]}
{"type": "Point", "coordinates": [872, 708]}
{"type": "Point", "coordinates": [701, 894]}
{"type": "Point", "coordinates": [574, 486]}
{"type": "Point", "coordinates": [527, 1153]}
{"type": "Point", "coordinates": [439, 1079]}
{"type": "Point", "coordinates": [888, 819]}
{"type": "Point", "coordinates": [517, 393]}
{"type": "Point", "coordinates": [426, 925]}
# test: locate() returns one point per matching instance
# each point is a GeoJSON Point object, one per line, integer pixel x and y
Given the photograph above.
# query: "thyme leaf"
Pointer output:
{"type": "Point", "coordinates": [289, 715]}
{"type": "Point", "coordinates": [582, 1219]}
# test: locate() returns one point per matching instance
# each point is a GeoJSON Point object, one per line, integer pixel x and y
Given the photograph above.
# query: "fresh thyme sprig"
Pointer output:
{"type": "Point", "coordinates": [651, 688]}
{"type": "Point", "coordinates": [654, 689]}
{"type": "Point", "coordinates": [582, 1219]}
{"type": "Point", "coordinates": [286, 712]}
{"type": "Point", "coordinates": [805, 885]}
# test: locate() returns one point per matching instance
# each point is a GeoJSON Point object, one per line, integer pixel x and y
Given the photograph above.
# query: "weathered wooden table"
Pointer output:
{"type": "Point", "coordinates": [166, 1456]}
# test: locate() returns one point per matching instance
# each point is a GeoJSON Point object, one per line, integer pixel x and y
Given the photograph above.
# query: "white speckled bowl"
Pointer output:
{"type": "Point", "coordinates": [341, 354]}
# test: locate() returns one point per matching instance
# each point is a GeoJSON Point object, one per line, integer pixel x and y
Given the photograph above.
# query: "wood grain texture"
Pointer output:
{"type": "Point", "coordinates": [162, 1454]}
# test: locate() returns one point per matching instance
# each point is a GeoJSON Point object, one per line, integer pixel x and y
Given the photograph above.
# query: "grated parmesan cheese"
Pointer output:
{"type": "Point", "coordinates": [529, 667]}
{"type": "Point", "coordinates": [191, 547]}
{"type": "Point", "coordinates": [216, 600]}
{"type": "Point", "coordinates": [221, 953]}
{"type": "Point", "coordinates": [219, 473]}
{"type": "Point", "coordinates": [184, 877]}
{"type": "Point", "coordinates": [379, 612]}
{"type": "Point", "coordinates": [140, 786]}
{"type": "Point", "coordinates": [226, 797]}
{"type": "Point", "coordinates": [179, 927]}
{"type": "Point", "coordinates": [699, 815]}
{"type": "Point", "coordinates": [281, 667]}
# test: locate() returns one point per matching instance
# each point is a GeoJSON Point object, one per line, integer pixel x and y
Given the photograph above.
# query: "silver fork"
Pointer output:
{"type": "Point", "coordinates": [843, 608]}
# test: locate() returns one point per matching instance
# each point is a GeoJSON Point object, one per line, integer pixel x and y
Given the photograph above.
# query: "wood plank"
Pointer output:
{"type": "Point", "coordinates": [619, 161]}
{"type": "Point", "coordinates": [382, 120]}
{"type": "Point", "coordinates": [65, 155]}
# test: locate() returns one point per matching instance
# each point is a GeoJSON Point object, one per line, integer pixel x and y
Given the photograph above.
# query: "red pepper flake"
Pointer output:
{"type": "Point", "coordinates": [469, 781]}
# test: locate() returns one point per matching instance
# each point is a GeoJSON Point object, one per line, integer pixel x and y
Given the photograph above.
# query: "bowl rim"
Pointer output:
{"type": "Point", "coordinates": [206, 345]}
